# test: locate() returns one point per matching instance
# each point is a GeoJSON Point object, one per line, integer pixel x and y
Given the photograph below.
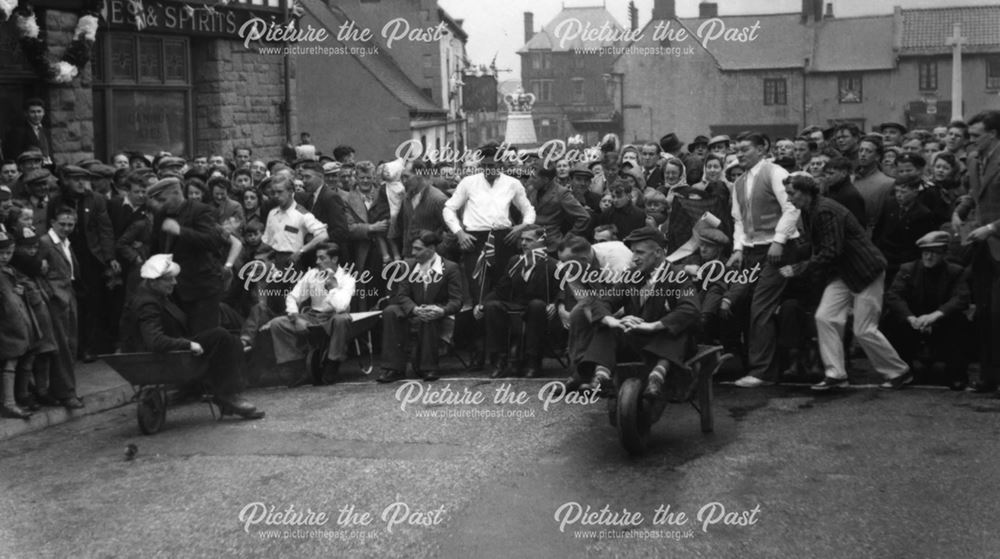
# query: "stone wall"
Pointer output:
{"type": "Point", "coordinates": [238, 97]}
{"type": "Point", "coordinates": [70, 106]}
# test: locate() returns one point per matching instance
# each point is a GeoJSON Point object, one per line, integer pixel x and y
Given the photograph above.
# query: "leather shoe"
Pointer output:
{"type": "Point", "coordinates": [427, 376]}
{"type": "Point", "coordinates": [330, 371]}
{"type": "Point", "coordinates": [14, 412]}
{"type": "Point", "coordinates": [390, 375]}
{"type": "Point", "coordinates": [654, 388]}
{"type": "Point", "coordinates": [73, 403]}
{"type": "Point", "coordinates": [28, 403]}
{"type": "Point", "coordinates": [500, 369]}
{"type": "Point", "coordinates": [235, 404]}
{"type": "Point", "coordinates": [980, 387]}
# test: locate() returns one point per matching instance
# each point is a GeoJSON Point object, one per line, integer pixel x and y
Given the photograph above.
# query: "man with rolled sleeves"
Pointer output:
{"type": "Point", "coordinates": [764, 235]}
{"type": "Point", "coordinates": [657, 321]}
{"type": "Point", "coordinates": [926, 303]}
{"type": "Point", "coordinates": [93, 243]}
{"type": "Point", "coordinates": [187, 230]}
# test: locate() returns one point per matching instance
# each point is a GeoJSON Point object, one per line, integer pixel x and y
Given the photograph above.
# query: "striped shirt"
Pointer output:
{"type": "Point", "coordinates": [840, 245]}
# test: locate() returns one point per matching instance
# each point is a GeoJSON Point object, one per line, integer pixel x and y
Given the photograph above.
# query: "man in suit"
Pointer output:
{"type": "Point", "coordinates": [93, 244]}
{"type": "Point", "coordinates": [984, 203]}
{"type": "Point", "coordinates": [33, 135]}
{"type": "Point", "coordinates": [422, 207]}
{"type": "Point", "coordinates": [904, 219]}
{"type": "Point", "coordinates": [557, 210]}
{"type": "Point", "coordinates": [187, 230]}
{"type": "Point", "coordinates": [652, 172]}
{"type": "Point", "coordinates": [35, 187]}
{"type": "Point", "coordinates": [529, 288]}
{"type": "Point", "coordinates": [367, 226]}
{"type": "Point", "coordinates": [926, 305]}
{"type": "Point", "coordinates": [54, 250]}
{"type": "Point", "coordinates": [153, 323]}
{"type": "Point", "coordinates": [323, 201]}
{"type": "Point", "coordinates": [658, 320]}
{"type": "Point", "coordinates": [430, 291]}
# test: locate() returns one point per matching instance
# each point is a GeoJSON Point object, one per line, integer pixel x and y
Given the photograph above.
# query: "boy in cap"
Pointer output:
{"type": "Point", "coordinates": [927, 302]}
{"type": "Point", "coordinates": [34, 365]}
{"type": "Point", "coordinates": [151, 322]}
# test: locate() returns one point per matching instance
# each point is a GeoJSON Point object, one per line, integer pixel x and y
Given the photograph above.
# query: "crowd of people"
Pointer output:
{"type": "Point", "coordinates": [769, 247]}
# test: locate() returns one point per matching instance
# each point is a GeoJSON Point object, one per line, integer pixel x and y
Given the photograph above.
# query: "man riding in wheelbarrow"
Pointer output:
{"type": "Point", "coordinates": [151, 322]}
{"type": "Point", "coordinates": [652, 314]}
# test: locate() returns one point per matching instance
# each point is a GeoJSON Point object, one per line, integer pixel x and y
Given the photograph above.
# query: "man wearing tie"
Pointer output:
{"type": "Point", "coordinates": [33, 134]}
{"type": "Point", "coordinates": [323, 201]}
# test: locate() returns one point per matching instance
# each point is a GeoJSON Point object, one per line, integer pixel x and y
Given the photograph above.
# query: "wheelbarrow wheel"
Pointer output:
{"type": "Point", "coordinates": [705, 402]}
{"type": "Point", "coordinates": [633, 426]}
{"type": "Point", "coordinates": [151, 410]}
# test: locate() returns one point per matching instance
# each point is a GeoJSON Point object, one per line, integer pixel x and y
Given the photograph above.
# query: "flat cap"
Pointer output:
{"type": "Point", "coordinates": [646, 234]}
{"type": "Point", "coordinates": [711, 236]}
{"type": "Point", "coordinates": [331, 167]}
{"type": "Point", "coordinates": [169, 161]}
{"type": "Point", "coordinates": [581, 169]}
{"type": "Point", "coordinates": [74, 171]}
{"type": "Point", "coordinates": [158, 266]}
{"type": "Point", "coordinates": [161, 185]}
{"type": "Point", "coordinates": [902, 129]}
{"type": "Point", "coordinates": [934, 239]}
{"type": "Point", "coordinates": [101, 170]}
{"type": "Point", "coordinates": [27, 238]}
{"type": "Point", "coordinates": [38, 175]}
{"type": "Point", "coordinates": [6, 240]}
{"type": "Point", "coordinates": [719, 139]}
{"type": "Point", "coordinates": [30, 155]}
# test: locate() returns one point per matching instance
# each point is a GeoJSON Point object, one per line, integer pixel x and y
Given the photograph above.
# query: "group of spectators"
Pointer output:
{"type": "Point", "coordinates": [768, 247]}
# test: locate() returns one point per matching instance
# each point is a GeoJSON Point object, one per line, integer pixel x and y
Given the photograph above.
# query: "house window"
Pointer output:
{"type": "Point", "coordinates": [993, 72]}
{"type": "Point", "coordinates": [928, 75]}
{"type": "Point", "coordinates": [542, 90]}
{"type": "Point", "coordinates": [578, 96]}
{"type": "Point", "coordinates": [775, 91]}
{"type": "Point", "coordinates": [142, 94]}
{"type": "Point", "coordinates": [849, 89]}
{"type": "Point", "coordinates": [546, 129]}
{"type": "Point", "coordinates": [578, 61]}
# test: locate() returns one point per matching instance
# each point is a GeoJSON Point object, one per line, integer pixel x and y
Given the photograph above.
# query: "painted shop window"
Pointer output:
{"type": "Point", "coordinates": [775, 91]}
{"type": "Point", "coordinates": [142, 94]}
{"type": "Point", "coordinates": [993, 72]}
{"type": "Point", "coordinates": [928, 75]}
{"type": "Point", "coordinates": [849, 88]}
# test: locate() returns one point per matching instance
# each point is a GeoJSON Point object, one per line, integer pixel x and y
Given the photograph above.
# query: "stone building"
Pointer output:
{"type": "Point", "coordinates": [809, 67]}
{"type": "Point", "coordinates": [175, 77]}
{"type": "Point", "coordinates": [568, 73]}
{"type": "Point", "coordinates": [377, 93]}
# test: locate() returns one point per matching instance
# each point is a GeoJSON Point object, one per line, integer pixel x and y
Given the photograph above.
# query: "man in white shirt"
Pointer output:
{"type": "Point", "coordinates": [62, 269]}
{"type": "Point", "coordinates": [327, 289]}
{"type": "Point", "coordinates": [485, 200]}
{"type": "Point", "coordinates": [765, 220]}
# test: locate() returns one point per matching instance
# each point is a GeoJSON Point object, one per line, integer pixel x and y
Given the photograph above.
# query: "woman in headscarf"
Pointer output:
{"type": "Point", "coordinates": [689, 203]}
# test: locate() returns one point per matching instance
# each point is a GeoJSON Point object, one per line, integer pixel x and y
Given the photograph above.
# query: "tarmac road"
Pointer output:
{"type": "Point", "coordinates": [859, 473]}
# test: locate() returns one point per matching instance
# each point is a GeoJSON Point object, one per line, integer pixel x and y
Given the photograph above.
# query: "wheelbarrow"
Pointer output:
{"type": "Point", "coordinates": [154, 376]}
{"type": "Point", "coordinates": [633, 415]}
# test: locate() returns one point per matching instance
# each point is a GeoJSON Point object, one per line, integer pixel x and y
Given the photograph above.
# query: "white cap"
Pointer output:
{"type": "Point", "coordinates": [158, 266]}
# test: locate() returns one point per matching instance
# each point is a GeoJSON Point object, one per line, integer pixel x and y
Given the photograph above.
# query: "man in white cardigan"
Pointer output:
{"type": "Point", "coordinates": [328, 289]}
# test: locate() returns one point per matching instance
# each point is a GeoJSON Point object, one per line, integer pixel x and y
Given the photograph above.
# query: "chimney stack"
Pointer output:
{"type": "Point", "coordinates": [708, 10]}
{"type": "Point", "coordinates": [529, 26]}
{"type": "Point", "coordinates": [633, 16]}
{"type": "Point", "coordinates": [812, 11]}
{"type": "Point", "coordinates": [666, 9]}
{"type": "Point", "coordinates": [829, 11]}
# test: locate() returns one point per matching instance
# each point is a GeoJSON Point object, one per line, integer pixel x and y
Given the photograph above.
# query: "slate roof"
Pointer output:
{"type": "Point", "coordinates": [596, 17]}
{"type": "Point", "coordinates": [854, 44]}
{"type": "Point", "coordinates": [781, 42]}
{"type": "Point", "coordinates": [381, 66]}
{"type": "Point", "coordinates": [924, 31]}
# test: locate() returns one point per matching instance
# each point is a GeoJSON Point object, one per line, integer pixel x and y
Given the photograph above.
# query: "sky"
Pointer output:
{"type": "Point", "coordinates": [496, 28]}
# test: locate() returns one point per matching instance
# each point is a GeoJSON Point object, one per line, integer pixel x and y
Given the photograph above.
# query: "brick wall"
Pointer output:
{"type": "Point", "coordinates": [237, 98]}
{"type": "Point", "coordinates": [71, 106]}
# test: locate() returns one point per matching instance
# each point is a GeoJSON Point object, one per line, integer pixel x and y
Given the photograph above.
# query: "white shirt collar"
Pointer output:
{"type": "Point", "coordinates": [435, 265]}
{"type": "Point", "coordinates": [55, 238]}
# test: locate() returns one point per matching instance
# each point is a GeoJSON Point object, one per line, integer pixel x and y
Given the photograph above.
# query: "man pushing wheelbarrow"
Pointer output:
{"type": "Point", "coordinates": [152, 323]}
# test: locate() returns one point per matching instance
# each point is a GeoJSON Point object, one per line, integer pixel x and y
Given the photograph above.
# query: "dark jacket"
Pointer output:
{"type": "Point", "coordinates": [17, 329]}
{"type": "Point", "coordinates": [328, 208]}
{"type": "Point", "coordinates": [150, 322]}
{"type": "Point", "coordinates": [847, 195]}
{"type": "Point", "coordinates": [626, 219]}
{"type": "Point", "coordinates": [917, 290]}
{"type": "Point", "coordinates": [428, 215]}
{"type": "Point", "coordinates": [198, 250]}
{"type": "Point", "coordinates": [840, 246]}
{"type": "Point", "coordinates": [445, 291]}
{"type": "Point", "coordinates": [897, 231]}
{"type": "Point", "coordinates": [21, 139]}
{"type": "Point", "coordinates": [93, 224]}
{"type": "Point", "coordinates": [541, 284]}
{"type": "Point", "coordinates": [558, 211]}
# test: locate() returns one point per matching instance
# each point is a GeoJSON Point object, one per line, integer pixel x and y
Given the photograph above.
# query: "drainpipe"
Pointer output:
{"type": "Point", "coordinates": [287, 79]}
